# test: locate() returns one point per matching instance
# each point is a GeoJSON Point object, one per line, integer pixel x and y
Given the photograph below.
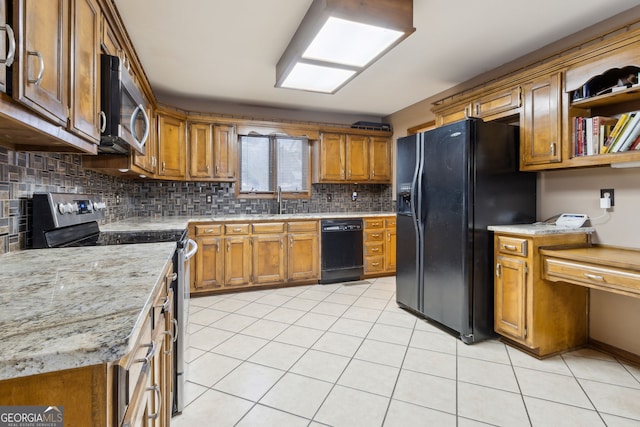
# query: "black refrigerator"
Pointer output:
{"type": "Point", "coordinates": [452, 182]}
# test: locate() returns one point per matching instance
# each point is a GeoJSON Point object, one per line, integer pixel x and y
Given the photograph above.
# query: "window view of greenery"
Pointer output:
{"type": "Point", "coordinates": [269, 162]}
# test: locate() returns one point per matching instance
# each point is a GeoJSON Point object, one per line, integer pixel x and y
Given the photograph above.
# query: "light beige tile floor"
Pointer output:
{"type": "Point", "coordinates": [346, 355]}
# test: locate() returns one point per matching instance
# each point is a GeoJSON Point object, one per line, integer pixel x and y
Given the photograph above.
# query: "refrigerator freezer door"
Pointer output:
{"type": "Point", "coordinates": [408, 290]}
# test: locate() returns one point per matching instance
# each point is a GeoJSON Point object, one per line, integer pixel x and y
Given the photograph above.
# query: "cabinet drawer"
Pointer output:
{"type": "Point", "coordinates": [373, 223]}
{"type": "Point", "coordinates": [373, 264]}
{"type": "Point", "coordinates": [593, 276]}
{"type": "Point", "coordinates": [512, 245]}
{"type": "Point", "coordinates": [390, 223]}
{"type": "Point", "coordinates": [233, 229]}
{"type": "Point", "coordinates": [302, 226]}
{"type": "Point", "coordinates": [374, 235]}
{"type": "Point", "coordinates": [268, 227]}
{"type": "Point", "coordinates": [208, 230]}
{"type": "Point", "coordinates": [137, 361]}
{"type": "Point", "coordinates": [373, 249]}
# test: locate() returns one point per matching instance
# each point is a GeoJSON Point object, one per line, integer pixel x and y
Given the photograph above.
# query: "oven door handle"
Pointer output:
{"type": "Point", "coordinates": [192, 250]}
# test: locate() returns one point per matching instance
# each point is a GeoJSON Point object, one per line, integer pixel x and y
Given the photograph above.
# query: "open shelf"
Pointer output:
{"type": "Point", "coordinates": [618, 97]}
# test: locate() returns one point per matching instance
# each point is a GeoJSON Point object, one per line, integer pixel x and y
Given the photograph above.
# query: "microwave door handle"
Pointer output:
{"type": "Point", "coordinates": [134, 116]}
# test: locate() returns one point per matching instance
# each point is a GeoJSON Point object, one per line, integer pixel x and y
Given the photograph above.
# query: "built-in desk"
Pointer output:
{"type": "Point", "coordinates": [599, 267]}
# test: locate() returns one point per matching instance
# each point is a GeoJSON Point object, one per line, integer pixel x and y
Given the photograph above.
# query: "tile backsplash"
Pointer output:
{"type": "Point", "coordinates": [24, 173]}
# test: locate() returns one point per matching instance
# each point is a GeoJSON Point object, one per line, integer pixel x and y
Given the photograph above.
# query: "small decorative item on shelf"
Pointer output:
{"type": "Point", "coordinates": [613, 80]}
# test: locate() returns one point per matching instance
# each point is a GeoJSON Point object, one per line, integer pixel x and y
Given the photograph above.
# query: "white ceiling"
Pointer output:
{"type": "Point", "coordinates": [227, 50]}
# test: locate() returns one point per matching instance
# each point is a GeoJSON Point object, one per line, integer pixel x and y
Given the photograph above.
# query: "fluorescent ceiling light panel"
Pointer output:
{"type": "Point", "coordinates": [350, 43]}
{"type": "Point", "coordinates": [316, 78]}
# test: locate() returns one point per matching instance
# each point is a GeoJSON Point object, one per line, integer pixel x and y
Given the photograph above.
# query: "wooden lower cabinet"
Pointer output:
{"type": "Point", "coordinates": [237, 261]}
{"type": "Point", "coordinates": [269, 259]}
{"type": "Point", "coordinates": [303, 259]}
{"type": "Point", "coordinates": [379, 246]}
{"type": "Point", "coordinates": [538, 316]}
{"type": "Point", "coordinates": [241, 255]}
{"type": "Point", "coordinates": [134, 391]}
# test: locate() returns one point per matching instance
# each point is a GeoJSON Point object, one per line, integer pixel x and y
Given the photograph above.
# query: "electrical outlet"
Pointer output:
{"type": "Point", "coordinates": [609, 191]}
{"type": "Point", "coordinates": [329, 197]}
{"type": "Point", "coordinates": [209, 198]}
{"type": "Point", "coordinates": [117, 199]}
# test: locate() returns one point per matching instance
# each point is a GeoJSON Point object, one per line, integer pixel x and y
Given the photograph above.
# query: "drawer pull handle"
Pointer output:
{"type": "Point", "coordinates": [158, 395]}
{"type": "Point", "coordinates": [375, 235]}
{"type": "Point", "coordinates": [510, 247]}
{"type": "Point", "coordinates": [375, 264]}
{"type": "Point", "coordinates": [594, 277]}
{"type": "Point", "coordinates": [150, 354]}
{"type": "Point", "coordinates": [209, 230]}
{"type": "Point", "coordinates": [375, 249]}
{"type": "Point", "coordinates": [237, 230]}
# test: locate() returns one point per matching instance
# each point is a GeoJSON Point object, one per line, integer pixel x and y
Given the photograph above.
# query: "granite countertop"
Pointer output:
{"type": "Point", "coordinates": [165, 223]}
{"type": "Point", "coordinates": [538, 229]}
{"type": "Point", "coordinates": [72, 307]}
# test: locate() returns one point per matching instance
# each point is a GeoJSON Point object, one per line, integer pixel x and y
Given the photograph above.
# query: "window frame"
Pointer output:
{"type": "Point", "coordinates": [305, 194]}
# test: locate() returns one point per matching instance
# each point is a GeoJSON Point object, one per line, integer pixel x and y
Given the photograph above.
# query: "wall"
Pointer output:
{"type": "Point", "coordinates": [22, 174]}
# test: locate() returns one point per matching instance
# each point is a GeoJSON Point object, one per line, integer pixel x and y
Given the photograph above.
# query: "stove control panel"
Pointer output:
{"type": "Point", "coordinates": [63, 209]}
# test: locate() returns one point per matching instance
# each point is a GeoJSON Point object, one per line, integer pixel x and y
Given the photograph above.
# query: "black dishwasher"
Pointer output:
{"type": "Point", "coordinates": [341, 250]}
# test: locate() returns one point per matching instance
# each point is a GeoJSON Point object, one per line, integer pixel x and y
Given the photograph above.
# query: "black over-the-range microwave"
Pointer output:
{"type": "Point", "coordinates": [125, 124]}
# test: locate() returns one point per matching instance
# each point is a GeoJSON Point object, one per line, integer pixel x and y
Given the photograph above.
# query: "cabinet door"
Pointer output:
{"type": "Point", "coordinates": [510, 297]}
{"type": "Point", "coordinates": [380, 159]}
{"type": "Point", "coordinates": [504, 101]}
{"type": "Point", "coordinates": [237, 261]}
{"type": "Point", "coordinates": [201, 146]}
{"type": "Point", "coordinates": [304, 259]}
{"type": "Point", "coordinates": [268, 259]}
{"type": "Point", "coordinates": [85, 80]}
{"type": "Point", "coordinates": [225, 150]}
{"type": "Point", "coordinates": [209, 271]}
{"type": "Point", "coordinates": [171, 147]}
{"type": "Point", "coordinates": [540, 133]}
{"type": "Point", "coordinates": [357, 158]}
{"type": "Point", "coordinates": [390, 250]}
{"type": "Point", "coordinates": [332, 157]}
{"type": "Point", "coordinates": [40, 79]}
{"type": "Point", "coordinates": [453, 114]}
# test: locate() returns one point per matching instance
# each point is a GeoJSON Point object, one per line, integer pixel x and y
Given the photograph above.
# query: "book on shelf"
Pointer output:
{"type": "Point", "coordinates": [636, 144]}
{"type": "Point", "coordinates": [591, 133]}
{"type": "Point", "coordinates": [629, 134]}
{"type": "Point", "coordinates": [601, 129]}
{"type": "Point", "coordinates": [614, 133]}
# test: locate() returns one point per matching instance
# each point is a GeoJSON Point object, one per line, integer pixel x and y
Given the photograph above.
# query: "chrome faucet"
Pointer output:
{"type": "Point", "coordinates": [279, 200]}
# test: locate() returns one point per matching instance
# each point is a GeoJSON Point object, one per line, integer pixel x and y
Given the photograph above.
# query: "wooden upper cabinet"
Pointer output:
{"type": "Point", "coordinates": [225, 152]}
{"type": "Point", "coordinates": [380, 159]}
{"type": "Point", "coordinates": [85, 69]}
{"type": "Point", "coordinates": [108, 40]}
{"type": "Point", "coordinates": [201, 146]}
{"type": "Point", "coordinates": [503, 101]}
{"type": "Point", "coordinates": [540, 133]}
{"type": "Point", "coordinates": [357, 158]}
{"type": "Point", "coordinates": [351, 157]}
{"type": "Point", "coordinates": [171, 146]}
{"type": "Point", "coordinates": [454, 113]}
{"type": "Point", "coordinates": [330, 157]}
{"type": "Point", "coordinates": [40, 77]}
{"type": "Point", "coordinates": [213, 153]}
